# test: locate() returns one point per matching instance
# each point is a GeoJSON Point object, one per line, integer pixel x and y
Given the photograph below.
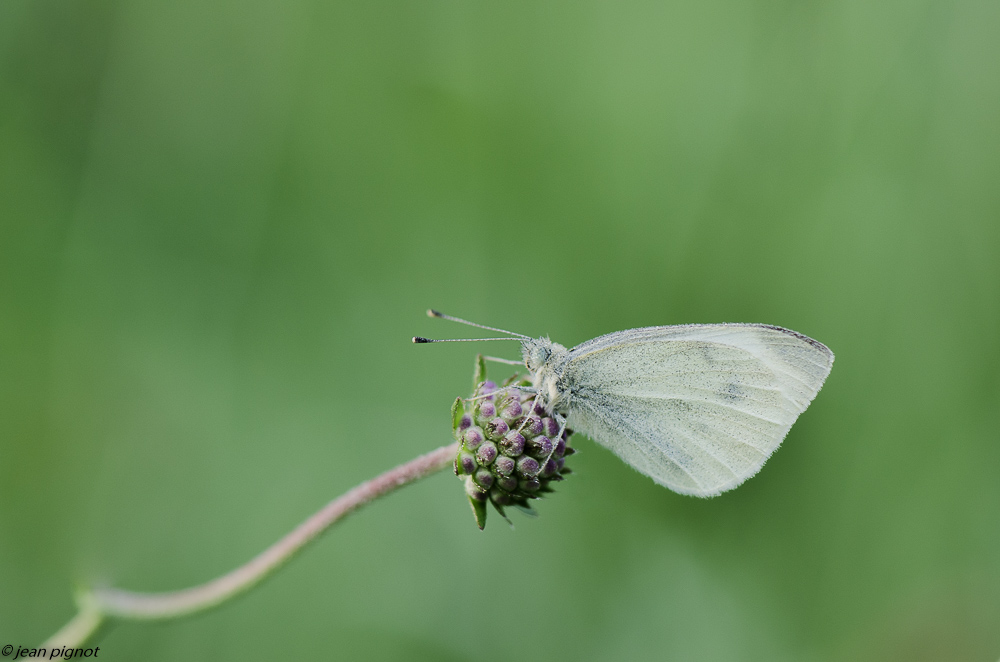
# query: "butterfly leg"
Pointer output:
{"type": "Point", "coordinates": [561, 420]}
{"type": "Point", "coordinates": [534, 403]}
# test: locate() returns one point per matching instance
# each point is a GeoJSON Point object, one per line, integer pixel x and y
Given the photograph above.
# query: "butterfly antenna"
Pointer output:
{"type": "Point", "coordinates": [434, 313]}
{"type": "Point", "coordinates": [420, 340]}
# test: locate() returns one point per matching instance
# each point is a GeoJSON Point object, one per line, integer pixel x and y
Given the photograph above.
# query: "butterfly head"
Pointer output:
{"type": "Point", "coordinates": [536, 352]}
{"type": "Point", "coordinates": [543, 358]}
{"type": "Point", "coordinates": [540, 354]}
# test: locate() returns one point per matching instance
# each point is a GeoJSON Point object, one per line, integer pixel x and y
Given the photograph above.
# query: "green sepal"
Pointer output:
{"type": "Point", "coordinates": [479, 374]}
{"type": "Point", "coordinates": [500, 510]}
{"type": "Point", "coordinates": [526, 509]}
{"type": "Point", "coordinates": [516, 379]}
{"type": "Point", "coordinates": [457, 410]}
{"type": "Point", "coordinates": [479, 511]}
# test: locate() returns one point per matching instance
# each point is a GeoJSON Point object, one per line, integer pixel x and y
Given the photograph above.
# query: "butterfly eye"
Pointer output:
{"type": "Point", "coordinates": [538, 357]}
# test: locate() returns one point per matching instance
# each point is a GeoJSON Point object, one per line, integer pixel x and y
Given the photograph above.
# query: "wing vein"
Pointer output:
{"type": "Point", "coordinates": [652, 394]}
{"type": "Point", "coordinates": [715, 404]}
{"type": "Point", "coordinates": [705, 449]}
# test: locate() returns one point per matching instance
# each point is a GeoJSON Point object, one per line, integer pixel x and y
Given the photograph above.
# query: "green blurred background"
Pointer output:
{"type": "Point", "coordinates": [220, 224]}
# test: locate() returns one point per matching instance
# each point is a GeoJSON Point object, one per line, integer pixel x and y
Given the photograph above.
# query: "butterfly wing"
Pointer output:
{"type": "Point", "coordinates": [698, 408]}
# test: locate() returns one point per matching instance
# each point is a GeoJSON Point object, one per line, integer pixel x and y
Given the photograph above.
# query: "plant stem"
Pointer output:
{"type": "Point", "coordinates": [97, 604]}
{"type": "Point", "coordinates": [80, 628]}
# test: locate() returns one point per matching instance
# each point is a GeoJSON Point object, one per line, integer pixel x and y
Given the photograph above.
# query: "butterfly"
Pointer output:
{"type": "Point", "coordinates": [698, 408]}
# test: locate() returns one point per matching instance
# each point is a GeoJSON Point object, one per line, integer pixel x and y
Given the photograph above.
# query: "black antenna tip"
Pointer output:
{"type": "Point", "coordinates": [433, 313]}
{"type": "Point", "coordinates": [418, 339]}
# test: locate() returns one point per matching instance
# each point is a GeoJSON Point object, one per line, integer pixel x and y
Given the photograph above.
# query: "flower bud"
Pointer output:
{"type": "Point", "coordinates": [507, 483]}
{"type": "Point", "coordinates": [496, 429]}
{"type": "Point", "coordinates": [466, 463]}
{"type": "Point", "coordinates": [474, 491]}
{"type": "Point", "coordinates": [500, 497]}
{"type": "Point", "coordinates": [527, 466]}
{"type": "Point", "coordinates": [560, 448]}
{"type": "Point", "coordinates": [487, 410]}
{"type": "Point", "coordinates": [532, 427]}
{"type": "Point", "coordinates": [504, 465]}
{"type": "Point", "coordinates": [530, 484]}
{"type": "Point", "coordinates": [512, 412]}
{"type": "Point", "coordinates": [503, 399]}
{"type": "Point", "coordinates": [473, 437]}
{"type": "Point", "coordinates": [487, 453]}
{"type": "Point", "coordinates": [512, 444]}
{"type": "Point", "coordinates": [511, 449]}
{"type": "Point", "coordinates": [484, 478]}
{"type": "Point", "coordinates": [539, 447]}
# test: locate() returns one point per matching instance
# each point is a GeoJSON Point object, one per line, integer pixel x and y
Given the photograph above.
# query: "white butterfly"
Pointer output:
{"type": "Point", "coordinates": [698, 408]}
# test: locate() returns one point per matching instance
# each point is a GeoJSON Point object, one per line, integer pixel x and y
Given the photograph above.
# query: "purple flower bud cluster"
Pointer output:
{"type": "Point", "coordinates": [511, 449]}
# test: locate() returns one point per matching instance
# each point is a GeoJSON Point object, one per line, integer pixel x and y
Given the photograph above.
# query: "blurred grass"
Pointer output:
{"type": "Point", "coordinates": [220, 224]}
